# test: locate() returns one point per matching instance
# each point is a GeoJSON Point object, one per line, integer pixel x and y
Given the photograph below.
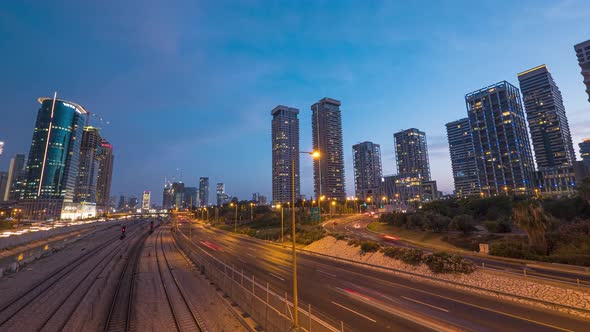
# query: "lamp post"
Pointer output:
{"type": "Point", "coordinates": [282, 223]}
{"type": "Point", "coordinates": [235, 217]}
{"type": "Point", "coordinates": [251, 212]}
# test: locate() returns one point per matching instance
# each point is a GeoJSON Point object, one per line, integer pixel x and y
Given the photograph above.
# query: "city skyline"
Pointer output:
{"type": "Point", "coordinates": [373, 108]}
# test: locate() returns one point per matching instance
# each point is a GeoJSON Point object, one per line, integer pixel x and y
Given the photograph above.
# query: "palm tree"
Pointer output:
{"type": "Point", "coordinates": [531, 218]}
{"type": "Point", "coordinates": [583, 189]}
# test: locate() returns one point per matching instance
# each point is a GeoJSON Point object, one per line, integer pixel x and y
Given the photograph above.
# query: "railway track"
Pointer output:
{"type": "Point", "coordinates": [185, 317]}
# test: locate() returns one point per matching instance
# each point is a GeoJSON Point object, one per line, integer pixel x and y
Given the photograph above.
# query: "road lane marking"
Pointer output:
{"type": "Point", "coordinates": [330, 274]}
{"type": "Point", "coordinates": [356, 312]}
{"type": "Point", "coordinates": [251, 255]}
{"type": "Point", "coordinates": [389, 298]}
{"type": "Point", "coordinates": [276, 276]}
{"type": "Point", "coordinates": [426, 304]}
{"type": "Point", "coordinates": [243, 261]}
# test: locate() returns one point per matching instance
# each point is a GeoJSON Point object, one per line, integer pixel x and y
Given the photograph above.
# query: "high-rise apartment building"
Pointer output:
{"type": "Point", "coordinates": [16, 179]}
{"type": "Point", "coordinates": [285, 153]}
{"type": "Point", "coordinates": [585, 152]}
{"type": "Point", "coordinates": [105, 174]}
{"type": "Point", "coordinates": [463, 162]}
{"type": "Point", "coordinates": [145, 200]}
{"type": "Point", "coordinates": [583, 54]}
{"type": "Point", "coordinates": [328, 170]}
{"type": "Point", "coordinates": [191, 197]}
{"type": "Point", "coordinates": [220, 194]}
{"type": "Point", "coordinates": [52, 166]}
{"type": "Point", "coordinates": [500, 139]}
{"type": "Point", "coordinates": [89, 164]}
{"type": "Point", "coordinates": [203, 192]}
{"type": "Point", "coordinates": [367, 169]}
{"type": "Point", "coordinates": [3, 182]}
{"type": "Point", "coordinates": [1, 147]}
{"type": "Point", "coordinates": [178, 195]}
{"type": "Point", "coordinates": [550, 132]}
{"type": "Point", "coordinates": [167, 196]}
{"type": "Point", "coordinates": [412, 154]}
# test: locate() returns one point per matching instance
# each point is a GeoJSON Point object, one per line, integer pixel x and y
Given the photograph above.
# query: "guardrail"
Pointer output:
{"type": "Point", "coordinates": [272, 311]}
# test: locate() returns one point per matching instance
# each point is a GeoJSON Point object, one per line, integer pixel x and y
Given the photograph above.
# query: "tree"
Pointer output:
{"type": "Point", "coordinates": [531, 218]}
{"type": "Point", "coordinates": [463, 223]}
{"type": "Point", "coordinates": [584, 189]}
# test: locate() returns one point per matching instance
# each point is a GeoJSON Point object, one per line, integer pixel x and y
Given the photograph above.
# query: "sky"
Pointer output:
{"type": "Point", "coordinates": [184, 89]}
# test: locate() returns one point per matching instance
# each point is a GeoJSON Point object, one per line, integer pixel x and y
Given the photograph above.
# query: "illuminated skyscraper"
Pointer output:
{"type": "Point", "coordinates": [52, 166]}
{"type": "Point", "coordinates": [1, 147]}
{"type": "Point", "coordinates": [145, 200]}
{"type": "Point", "coordinates": [203, 192]}
{"type": "Point", "coordinates": [367, 169]}
{"type": "Point", "coordinates": [105, 175]}
{"type": "Point", "coordinates": [16, 179]}
{"type": "Point", "coordinates": [89, 164]}
{"type": "Point", "coordinates": [550, 131]}
{"type": "Point", "coordinates": [285, 151]}
{"type": "Point", "coordinates": [583, 55]}
{"type": "Point", "coordinates": [585, 152]}
{"type": "Point", "coordinates": [3, 182]}
{"type": "Point", "coordinates": [463, 162]}
{"type": "Point", "coordinates": [500, 140]}
{"type": "Point", "coordinates": [328, 170]}
{"type": "Point", "coordinates": [412, 154]}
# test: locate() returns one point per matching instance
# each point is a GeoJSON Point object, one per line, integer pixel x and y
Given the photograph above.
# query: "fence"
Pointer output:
{"type": "Point", "coordinates": [272, 311]}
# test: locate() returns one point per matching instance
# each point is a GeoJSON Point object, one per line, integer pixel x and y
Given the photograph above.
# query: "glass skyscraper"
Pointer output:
{"type": "Point", "coordinates": [203, 192]}
{"type": "Point", "coordinates": [367, 169]}
{"type": "Point", "coordinates": [285, 153]}
{"type": "Point", "coordinates": [583, 55]}
{"type": "Point", "coordinates": [500, 140]}
{"type": "Point", "coordinates": [463, 158]}
{"type": "Point", "coordinates": [105, 175]}
{"type": "Point", "coordinates": [52, 166]}
{"type": "Point", "coordinates": [412, 154]}
{"type": "Point", "coordinates": [90, 152]}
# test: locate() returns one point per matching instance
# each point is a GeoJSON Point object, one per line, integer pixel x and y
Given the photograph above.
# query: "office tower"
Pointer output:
{"type": "Point", "coordinates": [412, 154]}
{"type": "Point", "coordinates": [145, 200]}
{"type": "Point", "coordinates": [191, 197]}
{"type": "Point", "coordinates": [122, 203]}
{"type": "Point", "coordinates": [285, 153]}
{"type": "Point", "coordinates": [1, 147]}
{"type": "Point", "coordinates": [585, 152]}
{"type": "Point", "coordinates": [105, 174]}
{"type": "Point", "coordinates": [220, 191]}
{"type": "Point", "coordinates": [583, 54]}
{"type": "Point", "coordinates": [463, 158]}
{"type": "Point", "coordinates": [3, 182]}
{"type": "Point", "coordinates": [133, 203]}
{"type": "Point", "coordinates": [367, 169]}
{"type": "Point", "coordinates": [328, 170]}
{"type": "Point", "coordinates": [203, 193]}
{"type": "Point", "coordinates": [85, 190]}
{"type": "Point", "coordinates": [500, 140]}
{"type": "Point", "coordinates": [549, 129]}
{"type": "Point", "coordinates": [168, 196]}
{"type": "Point", "coordinates": [52, 166]}
{"type": "Point", "coordinates": [16, 179]}
{"type": "Point", "coordinates": [178, 195]}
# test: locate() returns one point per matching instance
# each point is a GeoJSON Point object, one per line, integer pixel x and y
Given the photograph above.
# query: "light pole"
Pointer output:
{"type": "Point", "coordinates": [282, 223]}
{"type": "Point", "coordinates": [235, 217]}
{"type": "Point", "coordinates": [251, 212]}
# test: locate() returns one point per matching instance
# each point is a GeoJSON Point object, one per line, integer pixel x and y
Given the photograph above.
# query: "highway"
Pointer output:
{"type": "Point", "coordinates": [543, 270]}
{"type": "Point", "coordinates": [370, 300]}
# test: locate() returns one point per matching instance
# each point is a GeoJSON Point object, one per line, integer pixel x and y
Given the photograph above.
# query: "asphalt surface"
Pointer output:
{"type": "Point", "coordinates": [370, 300]}
{"type": "Point", "coordinates": [555, 272]}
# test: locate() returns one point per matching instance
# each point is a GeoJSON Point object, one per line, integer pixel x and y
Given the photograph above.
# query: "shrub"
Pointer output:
{"type": "Point", "coordinates": [369, 246]}
{"type": "Point", "coordinates": [498, 226]}
{"type": "Point", "coordinates": [513, 248]}
{"type": "Point", "coordinates": [407, 255]}
{"type": "Point", "coordinates": [340, 236]}
{"type": "Point", "coordinates": [442, 262]}
{"type": "Point", "coordinates": [354, 243]}
{"type": "Point", "coordinates": [463, 223]}
{"type": "Point", "coordinates": [436, 223]}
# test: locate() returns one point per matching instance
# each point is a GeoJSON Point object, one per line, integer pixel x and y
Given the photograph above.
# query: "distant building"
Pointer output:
{"type": "Point", "coordinates": [203, 192]}
{"type": "Point", "coordinates": [220, 192]}
{"type": "Point", "coordinates": [191, 197]}
{"type": "Point", "coordinates": [412, 154]}
{"type": "Point", "coordinates": [16, 179]}
{"type": "Point", "coordinates": [285, 153]}
{"type": "Point", "coordinates": [178, 195]}
{"type": "Point", "coordinates": [463, 162]}
{"type": "Point", "coordinates": [52, 166]}
{"type": "Point", "coordinates": [550, 132]}
{"type": "Point", "coordinates": [122, 205]}
{"type": "Point", "coordinates": [1, 147]}
{"type": "Point", "coordinates": [168, 197]}
{"type": "Point", "coordinates": [583, 54]}
{"type": "Point", "coordinates": [3, 182]}
{"type": "Point", "coordinates": [328, 170]}
{"type": "Point", "coordinates": [500, 139]}
{"type": "Point", "coordinates": [259, 199]}
{"type": "Point", "coordinates": [145, 200]}
{"type": "Point", "coordinates": [585, 152]}
{"type": "Point", "coordinates": [105, 175]}
{"type": "Point", "coordinates": [366, 158]}
{"type": "Point", "coordinates": [90, 151]}
{"type": "Point", "coordinates": [133, 203]}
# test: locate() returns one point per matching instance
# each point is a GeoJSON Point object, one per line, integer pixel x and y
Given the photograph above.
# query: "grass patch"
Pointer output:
{"type": "Point", "coordinates": [426, 239]}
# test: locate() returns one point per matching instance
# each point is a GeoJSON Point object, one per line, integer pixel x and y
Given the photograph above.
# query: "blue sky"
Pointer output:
{"type": "Point", "coordinates": [188, 86]}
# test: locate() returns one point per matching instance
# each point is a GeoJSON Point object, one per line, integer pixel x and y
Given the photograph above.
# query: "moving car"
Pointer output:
{"type": "Point", "coordinates": [357, 226]}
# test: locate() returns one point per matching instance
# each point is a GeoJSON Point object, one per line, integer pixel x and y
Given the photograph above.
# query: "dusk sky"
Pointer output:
{"type": "Point", "coordinates": [188, 86]}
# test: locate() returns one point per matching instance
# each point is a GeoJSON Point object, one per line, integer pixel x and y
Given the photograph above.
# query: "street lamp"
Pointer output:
{"type": "Point", "coordinates": [235, 217]}
{"type": "Point", "coordinates": [282, 224]}
{"type": "Point", "coordinates": [251, 212]}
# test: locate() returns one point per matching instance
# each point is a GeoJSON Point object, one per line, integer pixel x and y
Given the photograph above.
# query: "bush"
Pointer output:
{"type": "Point", "coordinates": [354, 243]}
{"type": "Point", "coordinates": [340, 237]}
{"type": "Point", "coordinates": [513, 248]}
{"type": "Point", "coordinates": [462, 223]}
{"type": "Point", "coordinates": [442, 262]}
{"type": "Point", "coordinates": [497, 226]}
{"type": "Point", "coordinates": [369, 246]}
{"type": "Point", "coordinates": [436, 223]}
{"type": "Point", "coordinates": [407, 255]}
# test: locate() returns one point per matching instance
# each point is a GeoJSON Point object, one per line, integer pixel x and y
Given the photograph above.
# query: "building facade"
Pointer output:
{"type": "Point", "coordinates": [105, 175]}
{"type": "Point", "coordinates": [52, 166]}
{"type": "Point", "coordinates": [463, 162]}
{"type": "Point", "coordinates": [585, 152]}
{"type": "Point", "coordinates": [412, 154]}
{"type": "Point", "coordinates": [328, 170]}
{"type": "Point", "coordinates": [203, 192]}
{"type": "Point", "coordinates": [583, 55]}
{"type": "Point", "coordinates": [167, 197]}
{"type": "Point", "coordinates": [285, 153]}
{"type": "Point", "coordinates": [549, 129]}
{"type": "Point", "coordinates": [16, 179]}
{"type": "Point", "coordinates": [4, 183]}
{"type": "Point", "coordinates": [145, 200]}
{"type": "Point", "coordinates": [367, 169]}
{"type": "Point", "coordinates": [500, 139]}
{"type": "Point", "coordinates": [89, 164]}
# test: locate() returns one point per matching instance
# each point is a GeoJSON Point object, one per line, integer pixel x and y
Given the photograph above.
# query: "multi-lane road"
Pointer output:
{"type": "Point", "coordinates": [553, 272]}
{"type": "Point", "coordinates": [370, 300]}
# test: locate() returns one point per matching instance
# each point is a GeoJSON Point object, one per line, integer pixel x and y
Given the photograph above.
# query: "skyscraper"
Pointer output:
{"type": "Point", "coordinates": [190, 197]}
{"type": "Point", "coordinates": [328, 170]}
{"type": "Point", "coordinates": [285, 152]}
{"type": "Point", "coordinates": [16, 179]}
{"type": "Point", "coordinates": [52, 166]}
{"type": "Point", "coordinates": [220, 191]}
{"type": "Point", "coordinates": [89, 164]}
{"type": "Point", "coordinates": [550, 132]}
{"type": "Point", "coordinates": [105, 174]}
{"type": "Point", "coordinates": [462, 154]}
{"type": "Point", "coordinates": [367, 169]}
{"type": "Point", "coordinates": [1, 148]}
{"type": "Point", "coordinates": [585, 152]}
{"type": "Point", "coordinates": [412, 154]}
{"type": "Point", "coordinates": [145, 200]}
{"type": "Point", "coordinates": [583, 54]}
{"type": "Point", "coordinates": [3, 182]}
{"type": "Point", "coordinates": [168, 196]}
{"type": "Point", "coordinates": [203, 192]}
{"type": "Point", "coordinates": [500, 139]}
